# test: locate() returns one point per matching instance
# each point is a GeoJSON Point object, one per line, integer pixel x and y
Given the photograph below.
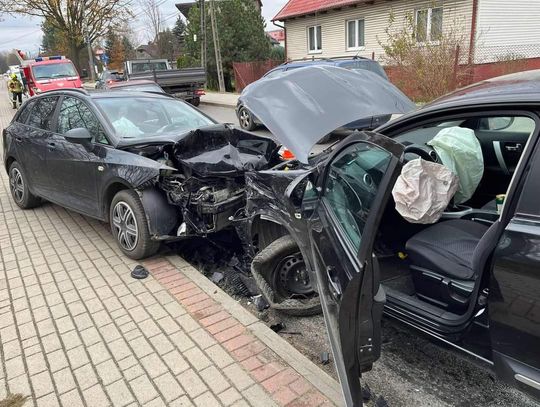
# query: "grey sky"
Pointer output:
{"type": "Point", "coordinates": [25, 33]}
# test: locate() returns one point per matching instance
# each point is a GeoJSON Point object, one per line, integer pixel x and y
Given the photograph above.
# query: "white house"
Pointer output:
{"type": "Point", "coordinates": [492, 29]}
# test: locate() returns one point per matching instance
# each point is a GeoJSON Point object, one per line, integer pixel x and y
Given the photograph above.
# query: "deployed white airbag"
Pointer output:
{"type": "Point", "coordinates": [460, 151]}
{"type": "Point", "coordinates": [423, 190]}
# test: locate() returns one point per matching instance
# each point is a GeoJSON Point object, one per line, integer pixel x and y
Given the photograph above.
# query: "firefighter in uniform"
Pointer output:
{"type": "Point", "coordinates": [15, 86]}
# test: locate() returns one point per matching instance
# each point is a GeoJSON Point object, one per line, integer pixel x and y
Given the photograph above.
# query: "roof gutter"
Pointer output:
{"type": "Point", "coordinates": [474, 23]}
{"type": "Point", "coordinates": [285, 31]}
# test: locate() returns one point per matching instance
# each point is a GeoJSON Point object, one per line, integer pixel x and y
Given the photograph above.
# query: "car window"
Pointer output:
{"type": "Point", "coordinates": [143, 117]}
{"type": "Point", "coordinates": [273, 74]}
{"type": "Point", "coordinates": [364, 65]}
{"type": "Point", "coordinates": [42, 113]}
{"type": "Point", "coordinates": [516, 124]}
{"type": "Point", "coordinates": [352, 184]}
{"type": "Point", "coordinates": [53, 71]}
{"type": "Point", "coordinates": [74, 113]}
{"type": "Point", "coordinates": [25, 112]}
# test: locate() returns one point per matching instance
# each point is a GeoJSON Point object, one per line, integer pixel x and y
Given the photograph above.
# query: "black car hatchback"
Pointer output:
{"type": "Point", "coordinates": [154, 167]}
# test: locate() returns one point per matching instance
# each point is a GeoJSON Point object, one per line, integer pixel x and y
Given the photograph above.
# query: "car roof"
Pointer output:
{"type": "Point", "coordinates": [518, 87]}
{"type": "Point", "coordinates": [322, 61]}
{"type": "Point", "coordinates": [100, 94]}
{"type": "Point", "coordinates": [49, 62]}
{"type": "Point", "coordinates": [134, 82]}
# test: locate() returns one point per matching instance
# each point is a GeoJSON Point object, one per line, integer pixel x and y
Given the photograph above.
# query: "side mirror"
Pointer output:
{"type": "Point", "coordinates": [80, 136]}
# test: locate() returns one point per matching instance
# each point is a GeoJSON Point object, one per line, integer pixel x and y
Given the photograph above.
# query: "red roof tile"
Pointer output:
{"type": "Point", "coordinates": [296, 8]}
{"type": "Point", "coordinates": [278, 35]}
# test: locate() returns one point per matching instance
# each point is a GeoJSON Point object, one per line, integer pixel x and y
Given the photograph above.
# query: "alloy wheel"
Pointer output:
{"type": "Point", "coordinates": [125, 226]}
{"type": "Point", "coordinates": [16, 184]}
{"type": "Point", "coordinates": [245, 119]}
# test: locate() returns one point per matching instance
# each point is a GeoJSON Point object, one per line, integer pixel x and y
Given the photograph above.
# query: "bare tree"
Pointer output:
{"type": "Point", "coordinates": [78, 20]}
{"type": "Point", "coordinates": [153, 18]}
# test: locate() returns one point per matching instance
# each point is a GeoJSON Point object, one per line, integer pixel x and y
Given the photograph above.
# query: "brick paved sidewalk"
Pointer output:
{"type": "Point", "coordinates": [77, 330]}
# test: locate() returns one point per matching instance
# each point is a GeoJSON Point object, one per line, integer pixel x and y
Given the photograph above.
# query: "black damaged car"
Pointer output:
{"type": "Point", "coordinates": [154, 167]}
{"type": "Point", "coordinates": [327, 231]}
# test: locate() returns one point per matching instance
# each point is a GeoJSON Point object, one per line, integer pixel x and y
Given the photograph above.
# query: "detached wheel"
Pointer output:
{"type": "Point", "coordinates": [195, 102]}
{"type": "Point", "coordinates": [245, 118]}
{"type": "Point", "coordinates": [285, 273]}
{"type": "Point", "coordinates": [18, 185]}
{"type": "Point", "coordinates": [129, 226]}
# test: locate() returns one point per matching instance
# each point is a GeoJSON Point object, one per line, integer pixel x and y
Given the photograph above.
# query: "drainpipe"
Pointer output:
{"type": "Point", "coordinates": [474, 22]}
{"type": "Point", "coordinates": [286, 42]}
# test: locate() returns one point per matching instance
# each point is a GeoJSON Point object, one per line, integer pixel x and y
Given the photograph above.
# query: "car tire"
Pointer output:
{"type": "Point", "coordinates": [195, 102]}
{"type": "Point", "coordinates": [245, 118]}
{"type": "Point", "coordinates": [129, 226]}
{"type": "Point", "coordinates": [18, 186]}
{"type": "Point", "coordinates": [276, 263]}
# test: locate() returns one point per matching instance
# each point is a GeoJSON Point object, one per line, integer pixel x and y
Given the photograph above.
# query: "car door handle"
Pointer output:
{"type": "Point", "coordinates": [18, 139]}
{"type": "Point", "coordinates": [51, 145]}
{"type": "Point", "coordinates": [514, 147]}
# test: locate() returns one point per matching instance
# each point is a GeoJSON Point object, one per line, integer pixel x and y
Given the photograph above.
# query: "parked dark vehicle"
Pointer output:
{"type": "Point", "coordinates": [185, 83]}
{"type": "Point", "coordinates": [137, 85]}
{"type": "Point", "coordinates": [154, 167]}
{"type": "Point", "coordinates": [249, 121]}
{"type": "Point", "coordinates": [327, 229]}
{"type": "Point", "coordinates": [108, 78]}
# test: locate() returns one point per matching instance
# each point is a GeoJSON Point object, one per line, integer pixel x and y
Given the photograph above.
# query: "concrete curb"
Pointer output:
{"type": "Point", "coordinates": [306, 368]}
{"type": "Point", "coordinates": [220, 104]}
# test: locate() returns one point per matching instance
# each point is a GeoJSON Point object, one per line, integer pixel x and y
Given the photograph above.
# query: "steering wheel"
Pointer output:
{"type": "Point", "coordinates": [430, 155]}
{"type": "Point", "coordinates": [169, 127]}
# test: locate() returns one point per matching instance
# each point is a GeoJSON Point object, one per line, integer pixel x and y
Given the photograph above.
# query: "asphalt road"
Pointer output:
{"type": "Point", "coordinates": [412, 371]}
{"type": "Point", "coordinates": [227, 115]}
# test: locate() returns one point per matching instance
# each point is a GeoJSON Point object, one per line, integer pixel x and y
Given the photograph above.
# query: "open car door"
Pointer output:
{"type": "Point", "coordinates": [353, 189]}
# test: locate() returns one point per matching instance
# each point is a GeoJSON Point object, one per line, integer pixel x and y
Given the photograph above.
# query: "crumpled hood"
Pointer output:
{"type": "Point", "coordinates": [303, 105]}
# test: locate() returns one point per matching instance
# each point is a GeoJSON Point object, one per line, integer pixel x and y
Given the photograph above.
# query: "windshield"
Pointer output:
{"type": "Point", "coordinates": [144, 117]}
{"type": "Point", "coordinates": [148, 66]}
{"type": "Point", "coordinates": [53, 71]}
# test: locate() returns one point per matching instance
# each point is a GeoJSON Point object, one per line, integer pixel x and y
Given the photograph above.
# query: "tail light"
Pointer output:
{"type": "Point", "coordinates": [110, 81]}
{"type": "Point", "coordinates": [286, 154]}
{"type": "Point", "coordinates": [199, 92]}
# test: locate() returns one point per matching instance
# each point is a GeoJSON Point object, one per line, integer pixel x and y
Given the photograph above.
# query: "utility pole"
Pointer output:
{"type": "Point", "coordinates": [88, 45]}
{"type": "Point", "coordinates": [215, 35]}
{"type": "Point", "coordinates": [203, 34]}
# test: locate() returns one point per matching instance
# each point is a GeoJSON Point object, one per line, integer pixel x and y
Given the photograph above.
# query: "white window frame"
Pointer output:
{"type": "Point", "coordinates": [314, 51]}
{"type": "Point", "coordinates": [356, 24]}
{"type": "Point", "coordinates": [428, 23]}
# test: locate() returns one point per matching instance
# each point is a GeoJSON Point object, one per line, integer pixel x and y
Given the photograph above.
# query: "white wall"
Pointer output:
{"type": "Point", "coordinates": [457, 14]}
{"type": "Point", "coordinates": [507, 27]}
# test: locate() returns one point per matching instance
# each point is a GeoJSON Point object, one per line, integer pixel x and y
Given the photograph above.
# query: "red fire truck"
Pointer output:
{"type": "Point", "coordinates": [49, 73]}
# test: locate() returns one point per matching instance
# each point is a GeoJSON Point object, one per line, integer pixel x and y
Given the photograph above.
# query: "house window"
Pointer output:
{"type": "Point", "coordinates": [355, 34]}
{"type": "Point", "coordinates": [429, 24]}
{"type": "Point", "coordinates": [314, 39]}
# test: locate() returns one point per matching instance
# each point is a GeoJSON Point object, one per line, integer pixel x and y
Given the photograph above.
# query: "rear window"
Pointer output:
{"type": "Point", "coordinates": [364, 65]}
{"type": "Point", "coordinates": [54, 71]}
{"type": "Point", "coordinates": [42, 113]}
{"type": "Point", "coordinates": [25, 112]}
{"type": "Point", "coordinates": [148, 66]}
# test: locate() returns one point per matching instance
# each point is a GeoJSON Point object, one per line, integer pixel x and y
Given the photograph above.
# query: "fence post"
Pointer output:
{"type": "Point", "coordinates": [456, 68]}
